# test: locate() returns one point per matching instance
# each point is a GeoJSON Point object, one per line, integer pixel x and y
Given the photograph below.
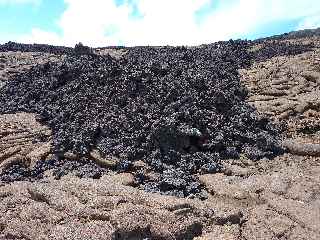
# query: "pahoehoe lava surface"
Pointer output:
{"type": "Point", "coordinates": [180, 110]}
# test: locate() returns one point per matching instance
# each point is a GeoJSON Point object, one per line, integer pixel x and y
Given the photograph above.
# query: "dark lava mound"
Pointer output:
{"type": "Point", "coordinates": [180, 110]}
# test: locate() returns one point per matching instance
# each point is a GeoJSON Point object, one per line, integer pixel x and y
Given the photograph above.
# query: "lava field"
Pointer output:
{"type": "Point", "coordinates": [180, 110]}
{"type": "Point", "coordinates": [15, 47]}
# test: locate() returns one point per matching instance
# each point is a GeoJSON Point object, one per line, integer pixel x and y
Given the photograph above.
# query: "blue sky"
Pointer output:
{"type": "Point", "coordinates": [151, 22]}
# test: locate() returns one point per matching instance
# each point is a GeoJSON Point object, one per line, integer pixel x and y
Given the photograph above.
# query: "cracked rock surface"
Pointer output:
{"type": "Point", "coordinates": [74, 208]}
{"type": "Point", "coordinates": [287, 89]}
{"type": "Point", "coordinates": [23, 139]}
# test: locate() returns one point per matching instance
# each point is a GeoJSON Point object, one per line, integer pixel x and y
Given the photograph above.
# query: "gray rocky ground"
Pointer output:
{"type": "Point", "coordinates": [267, 199]}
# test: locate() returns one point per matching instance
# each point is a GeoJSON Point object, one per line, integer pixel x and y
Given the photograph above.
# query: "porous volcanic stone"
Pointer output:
{"type": "Point", "coordinates": [177, 109]}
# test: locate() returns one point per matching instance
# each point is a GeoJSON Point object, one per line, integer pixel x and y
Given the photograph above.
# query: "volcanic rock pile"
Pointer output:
{"type": "Point", "coordinates": [165, 120]}
{"type": "Point", "coordinates": [15, 47]}
{"type": "Point", "coordinates": [180, 110]}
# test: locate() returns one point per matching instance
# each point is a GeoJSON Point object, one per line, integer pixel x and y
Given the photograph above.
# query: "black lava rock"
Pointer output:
{"type": "Point", "coordinates": [82, 168]}
{"type": "Point", "coordinates": [181, 110]}
{"type": "Point", "coordinates": [80, 49]}
{"type": "Point", "coordinates": [15, 47]}
{"type": "Point", "coordinates": [274, 48]}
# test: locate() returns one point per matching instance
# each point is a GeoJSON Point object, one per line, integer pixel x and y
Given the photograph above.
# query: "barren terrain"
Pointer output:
{"type": "Point", "coordinates": [47, 192]}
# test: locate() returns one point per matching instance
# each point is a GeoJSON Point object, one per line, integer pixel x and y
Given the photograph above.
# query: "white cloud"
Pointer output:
{"type": "Point", "coordinates": [89, 22]}
{"type": "Point", "coordinates": [162, 22]}
{"type": "Point", "coordinates": [39, 36]}
{"type": "Point", "coordinates": [167, 22]}
{"type": "Point", "coordinates": [310, 22]}
{"type": "Point", "coordinates": [84, 21]}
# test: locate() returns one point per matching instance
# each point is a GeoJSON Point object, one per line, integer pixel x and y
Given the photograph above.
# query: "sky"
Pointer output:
{"type": "Point", "coordinates": [151, 22]}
